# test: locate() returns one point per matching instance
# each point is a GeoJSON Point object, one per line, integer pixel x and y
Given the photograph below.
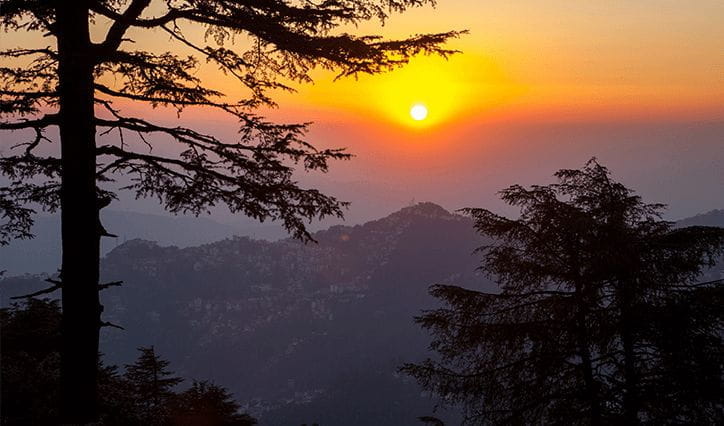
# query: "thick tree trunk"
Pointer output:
{"type": "Point", "coordinates": [590, 383]}
{"type": "Point", "coordinates": [630, 396]}
{"type": "Point", "coordinates": [79, 218]}
{"type": "Point", "coordinates": [583, 342]}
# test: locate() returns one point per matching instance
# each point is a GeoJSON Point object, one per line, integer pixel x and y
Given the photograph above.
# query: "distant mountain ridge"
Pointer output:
{"type": "Point", "coordinates": [710, 218]}
{"type": "Point", "coordinates": [42, 253]}
{"type": "Point", "coordinates": [298, 329]}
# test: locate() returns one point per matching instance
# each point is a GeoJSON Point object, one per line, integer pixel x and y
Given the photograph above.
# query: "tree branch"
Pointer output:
{"type": "Point", "coordinates": [45, 121]}
{"type": "Point", "coordinates": [110, 284]}
{"type": "Point", "coordinates": [57, 285]}
{"type": "Point", "coordinates": [121, 24]}
{"type": "Point", "coordinates": [110, 324]}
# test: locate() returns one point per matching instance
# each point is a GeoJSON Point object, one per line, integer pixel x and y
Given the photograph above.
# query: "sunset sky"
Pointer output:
{"type": "Point", "coordinates": [546, 60]}
{"type": "Point", "coordinates": [539, 85]}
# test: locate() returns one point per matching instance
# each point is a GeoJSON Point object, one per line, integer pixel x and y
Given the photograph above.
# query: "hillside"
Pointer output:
{"type": "Point", "coordinates": [296, 329]}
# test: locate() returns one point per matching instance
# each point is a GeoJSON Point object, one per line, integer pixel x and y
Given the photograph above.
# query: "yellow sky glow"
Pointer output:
{"type": "Point", "coordinates": [557, 59]}
{"type": "Point", "coordinates": [461, 85]}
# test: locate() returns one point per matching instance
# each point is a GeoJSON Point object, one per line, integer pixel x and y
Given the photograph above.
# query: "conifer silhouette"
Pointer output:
{"type": "Point", "coordinates": [600, 318]}
{"type": "Point", "coordinates": [152, 384]}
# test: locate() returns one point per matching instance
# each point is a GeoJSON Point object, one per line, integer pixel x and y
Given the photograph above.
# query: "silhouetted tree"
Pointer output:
{"type": "Point", "coordinates": [599, 318]}
{"type": "Point", "coordinates": [206, 404]}
{"type": "Point", "coordinates": [118, 404]}
{"type": "Point", "coordinates": [72, 82]}
{"type": "Point", "coordinates": [152, 386]}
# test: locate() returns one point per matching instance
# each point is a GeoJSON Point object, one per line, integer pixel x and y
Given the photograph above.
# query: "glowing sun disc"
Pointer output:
{"type": "Point", "coordinates": [418, 112]}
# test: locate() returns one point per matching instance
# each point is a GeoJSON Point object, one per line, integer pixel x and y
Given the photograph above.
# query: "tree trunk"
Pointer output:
{"type": "Point", "coordinates": [630, 396]}
{"type": "Point", "coordinates": [589, 380]}
{"type": "Point", "coordinates": [583, 342]}
{"type": "Point", "coordinates": [79, 218]}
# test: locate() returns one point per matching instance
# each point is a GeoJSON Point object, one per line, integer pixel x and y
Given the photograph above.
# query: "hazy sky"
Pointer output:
{"type": "Point", "coordinates": [540, 85]}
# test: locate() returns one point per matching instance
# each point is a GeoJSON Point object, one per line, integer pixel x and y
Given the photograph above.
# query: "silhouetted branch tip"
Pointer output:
{"type": "Point", "coordinates": [110, 284]}
{"type": "Point", "coordinates": [38, 293]}
{"type": "Point", "coordinates": [110, 324]}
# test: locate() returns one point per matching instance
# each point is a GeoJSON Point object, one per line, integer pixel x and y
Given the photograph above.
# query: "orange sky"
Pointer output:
{"type": "Point", "coordinates": [552, 60]}
{"type": "Point", "coordinates": [549, 60]}
{"type": "Point", "coordinates": [536, 81]}
{"type": "Point", "coordinates": [525, 61]}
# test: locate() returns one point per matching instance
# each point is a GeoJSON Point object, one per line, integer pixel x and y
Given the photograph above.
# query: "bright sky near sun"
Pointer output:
{"type": "Point", "coordinates": [557, 59]}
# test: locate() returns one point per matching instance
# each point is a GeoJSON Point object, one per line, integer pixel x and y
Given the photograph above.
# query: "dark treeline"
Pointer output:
{"type": "Point", "coordinates": [145, 393]}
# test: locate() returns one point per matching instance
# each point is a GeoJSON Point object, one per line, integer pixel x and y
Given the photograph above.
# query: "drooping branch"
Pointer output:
{"type": "Point", "coordinates": [316, 17]}
{"type": "Point", "coordinates": [109, 285]}
{"type": "Point", "coordinates": [24, 90]}
{"type": "Point", "coordinates": [24, 191]}
{"type": "Point", "coordinates": [194, 182]}
{"type": "Point", "coordinates": [17, 53]}
{"type": "Point", "coordinates": [127, 22]}
{"type": "Point", "coordinates": [41, 123]}
{"type": "Point", "coordinates": [30, 146]}
{"type": "Point", "coordinates": [16, 219]}
{"type": "Point", "coordinates": [28, 15]}
{"type": "Point", "coordinates": [230, 62]}
{"type": "Point", "coordinates": [288, 40]}
{"type": "Point", "coordinates": [110, 324]}
{"type": "Point", "coordinates": [265, 142]}
{"type": "Point", "coordinates": [57, 285]}
{"type": "Point", "coordinates": [176, 102]}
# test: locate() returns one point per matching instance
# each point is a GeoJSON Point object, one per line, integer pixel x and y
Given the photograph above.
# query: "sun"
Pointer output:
{"type": "Point", "coordinates": [418, 112]}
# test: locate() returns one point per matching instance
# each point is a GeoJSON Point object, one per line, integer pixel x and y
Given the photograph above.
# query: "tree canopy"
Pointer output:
{"type": "Point", "coordinates": [600, 317]}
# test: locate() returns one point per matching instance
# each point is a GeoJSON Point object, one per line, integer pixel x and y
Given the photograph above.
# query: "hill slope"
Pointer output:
{"type": "Point", "coordinates": [302, 331]}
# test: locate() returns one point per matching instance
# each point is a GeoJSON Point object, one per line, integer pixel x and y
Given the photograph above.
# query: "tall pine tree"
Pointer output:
{"type": "Point", "coordinates": [152, 386]}
{"type": "Point", "coordinates": [599, 318]}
